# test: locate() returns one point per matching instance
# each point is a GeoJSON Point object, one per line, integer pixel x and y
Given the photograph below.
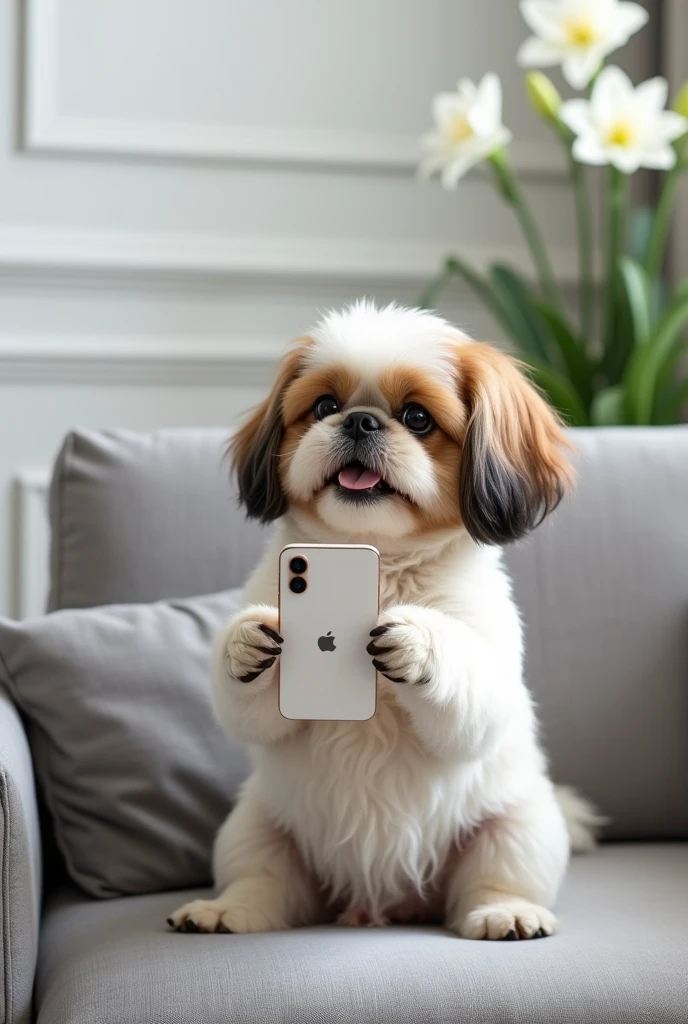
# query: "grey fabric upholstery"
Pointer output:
{"type": "Point", "coordinates": [135, 771]}
{"type": "Point", "coordinates": [141, 517]}
{"type": "Point", "coordinates": [622, 956]}
{"type": "Point", "coordinates": [20, 867]}
{"type": "Point", "coordinates": [603, 587]}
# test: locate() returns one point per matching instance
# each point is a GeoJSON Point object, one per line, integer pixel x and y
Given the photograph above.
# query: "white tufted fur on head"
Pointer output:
{"type": "Point", "coordinates": [371, 340]}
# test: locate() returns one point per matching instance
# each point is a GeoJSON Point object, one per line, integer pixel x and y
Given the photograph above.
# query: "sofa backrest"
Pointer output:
{"type": "Point", "coordinates": [140, 517]}
{"type": "Point", "coordinates": [603, 587]}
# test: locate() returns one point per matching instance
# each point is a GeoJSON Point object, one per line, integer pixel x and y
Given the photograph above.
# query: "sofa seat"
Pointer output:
{"type": "Point", "coordinates": [622, 956]}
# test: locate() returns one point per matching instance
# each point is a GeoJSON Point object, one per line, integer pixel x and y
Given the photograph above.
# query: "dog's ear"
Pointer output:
{"type": "Point", "coordinates": [254, 449]}
{"type": "Point", "coordinates": [514, 469]}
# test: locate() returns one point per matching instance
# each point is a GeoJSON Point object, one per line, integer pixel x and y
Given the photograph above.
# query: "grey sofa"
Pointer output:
{"type": "Point", "coordinates": [604, 592]}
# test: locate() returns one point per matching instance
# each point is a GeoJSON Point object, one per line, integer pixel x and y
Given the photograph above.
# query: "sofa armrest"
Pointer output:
{"type": "Point", "coordinates": [20, 868]}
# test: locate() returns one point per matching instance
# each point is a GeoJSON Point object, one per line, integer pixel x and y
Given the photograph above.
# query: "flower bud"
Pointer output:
{"type": "Point", "coordinates": [680, 104]}
{"type": "Point", "coordinates": [543, 95]}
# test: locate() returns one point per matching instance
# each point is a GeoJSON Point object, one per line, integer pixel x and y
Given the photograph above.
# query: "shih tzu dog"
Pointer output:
{"type": "Point", "coordinates": [391, 427]}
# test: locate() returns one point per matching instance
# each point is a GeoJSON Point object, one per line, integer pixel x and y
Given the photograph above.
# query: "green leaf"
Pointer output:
{"type": "Point", "coordinates": [640, 225]}
{"type": "Point", "coordinates": [558, 390]}
{"type": "Point", "coordinates": [579, 367]}
{"type": "Point", "coordinates": [481, 287]}
{"type": "Point", "coordinates": [517, 302]}
{"type": "Point", "coordinates": [643, 371]}
{"type": "Point", "coordinates": [671, 409]}
{"type": "Point", "coordinates": [660, 297]}
{"type": "Point", "coordinates": [636, 290]}
{"type": "Point", "coordinates": [632, 292]}
{"type": "Point", "coordinates": [608, 407]}
{"type": "Point", "coordinates": [666, 372]}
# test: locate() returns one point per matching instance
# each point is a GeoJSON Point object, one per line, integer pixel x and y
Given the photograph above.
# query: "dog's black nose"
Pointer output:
{"type": "Point", "coordinates": [358, 425]}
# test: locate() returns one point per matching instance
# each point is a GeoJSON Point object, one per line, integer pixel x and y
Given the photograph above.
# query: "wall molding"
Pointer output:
{"type": "Point", "coordinates": [47, 129]}
{"type": "Point", "coordinates": [137, 361]}
{"type": "Point", "coordinates": [97, 253]}
{"type": "Point", "coordinates": [31, 580]}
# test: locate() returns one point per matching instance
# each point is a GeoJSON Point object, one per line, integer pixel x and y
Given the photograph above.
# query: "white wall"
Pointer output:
{"type": "Point", "coordinates": [185, 183]}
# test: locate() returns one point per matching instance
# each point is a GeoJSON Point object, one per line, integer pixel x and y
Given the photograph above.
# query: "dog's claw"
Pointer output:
{"type": "Point", "coordinates": [372, 648]}
{"type": "Point", "coordinates": [272, 633]}
{"type": "Point", "coordinates": [191, 926]}
{"type": "Point", "coordinates": [510, 936]}
{"type": "Point", "coordinates": [379, 630]}
{"type": "Point", "coordinates": [250, 676]}
{"type": "Point", "coordinates": [379, 665]}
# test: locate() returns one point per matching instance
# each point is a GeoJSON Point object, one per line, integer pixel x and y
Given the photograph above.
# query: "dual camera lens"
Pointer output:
{"type": "Point", "coordinates": [298, 566]}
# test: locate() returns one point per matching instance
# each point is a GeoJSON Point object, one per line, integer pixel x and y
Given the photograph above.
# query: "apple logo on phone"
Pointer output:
{"type": "Point", "coordinates": [326, 643]}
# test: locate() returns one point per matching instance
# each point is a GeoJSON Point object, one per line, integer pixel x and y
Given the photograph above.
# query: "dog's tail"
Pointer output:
{"type": "Point", "coordinates": [583, 820]}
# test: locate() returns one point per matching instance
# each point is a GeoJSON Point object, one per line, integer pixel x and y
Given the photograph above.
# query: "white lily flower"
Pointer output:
{"type": "Point", "coordinates": [578, 34]}
{"type": "Point", "coordinates": [624, 126]}
{"type": "Point", "coordinates": [468, 127]}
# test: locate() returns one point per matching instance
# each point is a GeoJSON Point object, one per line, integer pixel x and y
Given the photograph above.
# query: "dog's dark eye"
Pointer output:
{"type": "Point", "coordinates": [325, 406]}
{"type": "Point", "coordinates": [417, 419]}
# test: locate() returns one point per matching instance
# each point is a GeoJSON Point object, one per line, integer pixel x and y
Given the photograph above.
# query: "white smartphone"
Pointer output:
{"type": "Point", "coordinates": [329, 600]}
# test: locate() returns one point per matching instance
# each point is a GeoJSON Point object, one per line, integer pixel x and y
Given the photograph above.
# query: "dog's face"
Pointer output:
{"type": "Point", "coordinates": [390, 423]}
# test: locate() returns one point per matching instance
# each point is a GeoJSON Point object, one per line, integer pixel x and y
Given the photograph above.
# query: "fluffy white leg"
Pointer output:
{"type": "Point", "coordinates": [265, 886]}
{"type": "Point", "coordinates": [508, 877]}
{"type": "Point", "coordinates": [244, 677]}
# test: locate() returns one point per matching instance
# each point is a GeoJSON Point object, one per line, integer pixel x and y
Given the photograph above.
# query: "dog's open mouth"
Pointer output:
{"type": "Point", "coordinates": [355, 482]}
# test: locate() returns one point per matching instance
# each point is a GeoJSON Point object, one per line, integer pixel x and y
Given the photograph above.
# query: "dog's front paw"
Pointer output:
{"type": "Point", "coordinates": [220, 915]}
{"type": "Point", "coordinates": [252, 643]}
{"type": "Point", "coordinates": [402, 646]}
{"type": "Point", "coordinates": [511, 919]}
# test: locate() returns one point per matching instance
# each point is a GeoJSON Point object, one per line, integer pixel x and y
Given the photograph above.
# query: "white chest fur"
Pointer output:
{"type": "Point", "coordinates": [373, 814]}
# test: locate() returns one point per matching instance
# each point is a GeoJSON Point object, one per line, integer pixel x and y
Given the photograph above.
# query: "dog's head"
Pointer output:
{"type": "Point", "coordinates": [391, 423]}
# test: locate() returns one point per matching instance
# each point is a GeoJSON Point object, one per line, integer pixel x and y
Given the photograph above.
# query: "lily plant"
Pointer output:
{"type": "Point", "coordinates": [616, 361]}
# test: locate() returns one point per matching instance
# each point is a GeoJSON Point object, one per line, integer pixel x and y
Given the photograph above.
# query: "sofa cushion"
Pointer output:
{"type": "Point", "coordinates": [135, 771]}
{"type": "Point", "coordinates": [622, 955]}
{"type": "Point", "coordinates": [143, 517]}
{"type": "Point", "coordinates": [603, 589]}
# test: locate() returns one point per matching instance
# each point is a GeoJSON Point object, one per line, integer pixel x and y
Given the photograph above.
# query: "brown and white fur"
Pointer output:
{"type": "Point", "coordinates": [440, 807]}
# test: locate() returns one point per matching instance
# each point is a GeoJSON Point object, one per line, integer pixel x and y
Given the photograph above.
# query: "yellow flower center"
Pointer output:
{"type": "Point", "coordinates": [582, 32]}
{"type": "Point", "coordinates": [458, 129]}
{"type": "Point", "coordinates": [620, 134]}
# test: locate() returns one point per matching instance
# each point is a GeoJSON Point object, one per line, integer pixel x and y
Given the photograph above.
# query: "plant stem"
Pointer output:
{"type": "Point", "coordinates": [585, 248]}
{"type": "Point", "coordinates": [512, 192]}
{"type": "Point", "coordinates": [617, 204]}
{"type": "Point", "coordinates": [660, 229]}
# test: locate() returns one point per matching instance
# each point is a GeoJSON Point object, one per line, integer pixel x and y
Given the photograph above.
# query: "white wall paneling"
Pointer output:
{"type": "Point", "coordinates": [50, 127]}
{"type": "Point", "coordinates": [186, 184]}
{"type": "Point", "coordinates": [32, 542]}
{"type": "Point", "coordinates": [53, 359]}
{"type": "Point", "coordinates": [361, 261]}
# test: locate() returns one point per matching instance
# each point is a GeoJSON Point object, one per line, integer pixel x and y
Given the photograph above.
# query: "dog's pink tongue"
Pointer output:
{"type": "Point", "coordinates": [356, 479]}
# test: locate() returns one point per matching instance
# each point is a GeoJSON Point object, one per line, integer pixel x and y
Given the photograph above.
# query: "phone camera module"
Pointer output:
{"type": "Point", "coordinates": [298, 584]}
{"type": "Point", "coordinates": [298, 565]}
